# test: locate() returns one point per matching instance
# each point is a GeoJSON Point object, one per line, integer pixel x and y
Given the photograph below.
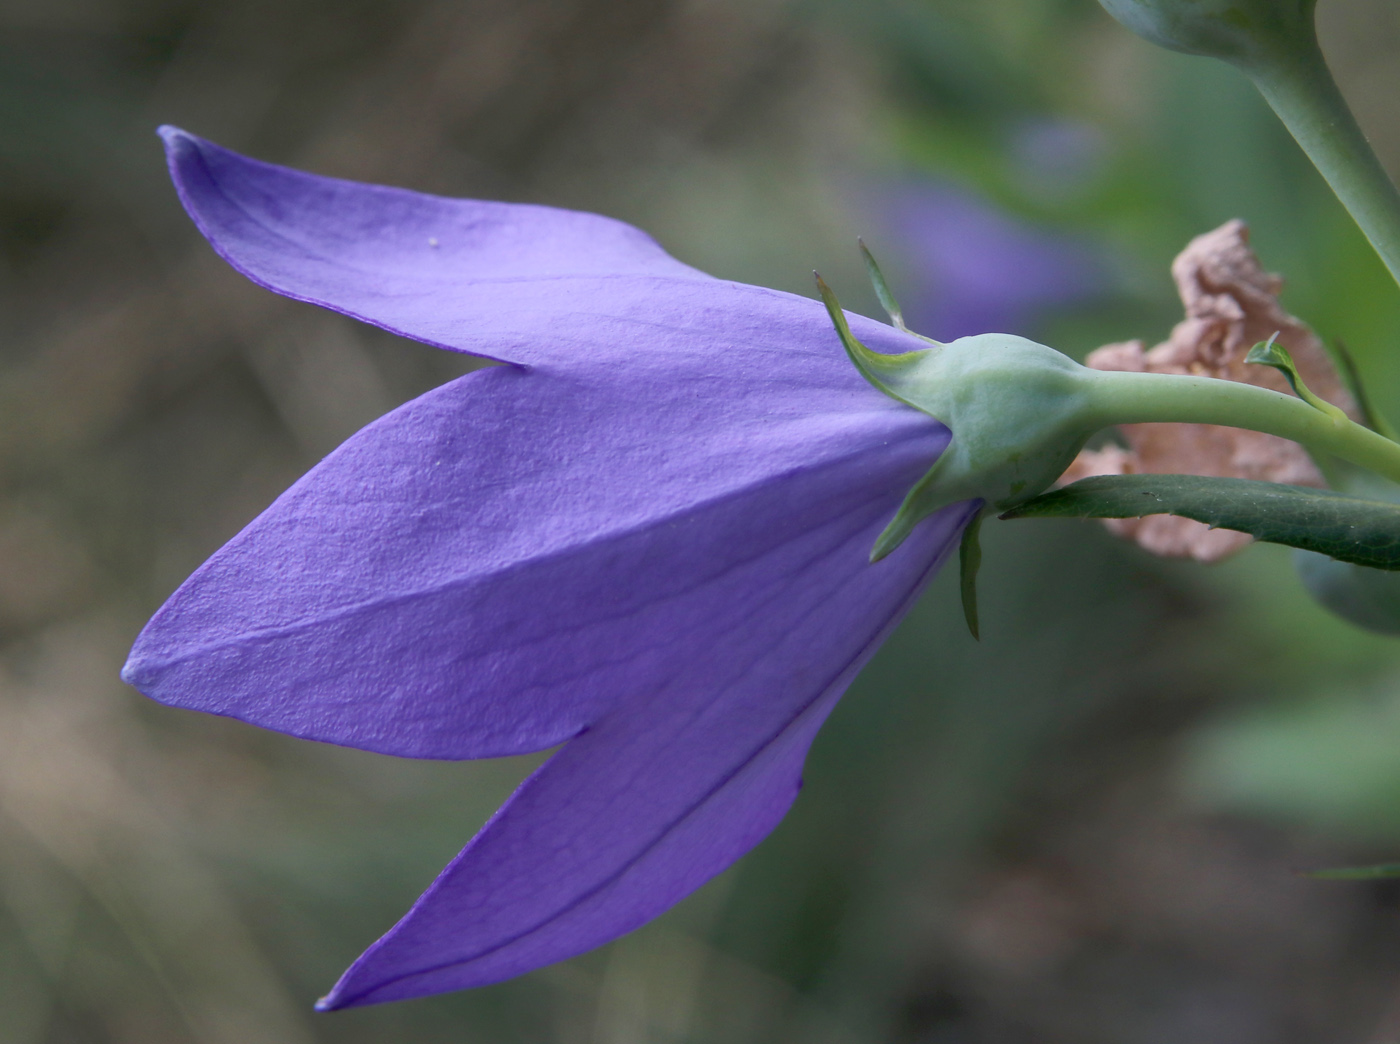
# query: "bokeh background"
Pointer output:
{"type": "Point", "coordinates": [1087, 828]}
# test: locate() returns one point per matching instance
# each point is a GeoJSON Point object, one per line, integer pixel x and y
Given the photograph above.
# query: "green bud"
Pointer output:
{"type": "Point", "coordinates": [1244, 32]}
{"type": "Point", "coordinates": [1019, 413]}
{"type": "Point", "coordinates": [1270, 353]}
{"type": "Point", "coordinates": [1274, 43]}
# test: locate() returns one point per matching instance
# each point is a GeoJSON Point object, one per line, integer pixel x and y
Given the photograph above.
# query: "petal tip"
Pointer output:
{"type": "Point", "coordinates": [133, 674]}
{"type": "Point", "coordinates": [184, 153]}
{"type": "Point", "coordinates": [345, 995]}
{"type": "Point", "coordinates": [145, 666]}
{"type": "Point", "coordinates": [176, 140]}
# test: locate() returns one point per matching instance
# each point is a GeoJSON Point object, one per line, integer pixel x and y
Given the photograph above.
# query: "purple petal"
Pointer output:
{"type": "Point", "coordinates": [486, 569]}
{"type": "Point", "coordinates": [444, 271]}
{"type": "Point", "coordinates": [652, 544]}
{"type": "Point", "coordinates": [674, 783]}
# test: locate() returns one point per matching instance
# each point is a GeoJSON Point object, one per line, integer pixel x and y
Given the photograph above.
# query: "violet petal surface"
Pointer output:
{"type": "Point", "coordinates": [464, 274]}
{"type": "Point", "coordinates": [486, 569]}
{"type": "Point", "coordinates": [671, 785]}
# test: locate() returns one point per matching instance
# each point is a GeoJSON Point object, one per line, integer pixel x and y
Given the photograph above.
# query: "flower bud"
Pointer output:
{"type": "Point", "coordinates": [1019, 413]}
{"type": "Point", "coordinates": [1243, 32]}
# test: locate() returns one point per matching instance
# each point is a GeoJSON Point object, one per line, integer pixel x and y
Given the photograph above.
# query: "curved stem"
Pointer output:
{"type": "Point", "coordinates": [1299, 86]}
{"type": "Point", "coordinates": [1135, 398]}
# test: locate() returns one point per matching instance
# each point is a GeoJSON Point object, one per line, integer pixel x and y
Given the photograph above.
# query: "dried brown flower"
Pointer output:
{"type": "Point", "coordinates": [1231, 304]}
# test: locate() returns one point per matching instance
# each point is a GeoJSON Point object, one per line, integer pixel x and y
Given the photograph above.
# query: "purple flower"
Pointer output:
{"type": "Point", "coordinates": [645, 538]}
{"type": "Point", "coordinates": [979, 269]}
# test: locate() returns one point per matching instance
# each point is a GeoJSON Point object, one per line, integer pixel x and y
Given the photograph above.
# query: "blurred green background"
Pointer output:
{"type": "Point", "coordinates": [1087, 828]}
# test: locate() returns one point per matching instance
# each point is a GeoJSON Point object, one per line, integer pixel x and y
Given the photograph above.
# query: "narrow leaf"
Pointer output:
{"type": "Point", "coordinates": [1356, 873]}
{"type": "Point", "coordinates": [1349, 529]}
{"type": "Point", "coordinates": [969, 561]}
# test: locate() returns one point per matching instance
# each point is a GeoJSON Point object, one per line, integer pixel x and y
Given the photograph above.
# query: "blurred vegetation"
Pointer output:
{"type": "Point", "coordinates": [1083, 829]}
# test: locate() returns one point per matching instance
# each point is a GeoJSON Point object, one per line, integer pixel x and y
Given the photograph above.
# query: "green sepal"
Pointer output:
{"type": "Point", "coordinates": [885, 372]}
{"type": "Point", "coordinates": [972, 386]}
{"type": "Point", "coordinates": [969, 562]}
{"type": "Point", "coordinates": [1356, 873]}
{"type": "Point", "coordinates": [882, 289]}
{"type": "Point", "coordinates": [918, 504]}
{"type": "Point", "coordinates": [886, 296]}
{"type": "Point", "coordinates": [890, 374]}
{"type": "Point", "coordinates": [1348, 529]}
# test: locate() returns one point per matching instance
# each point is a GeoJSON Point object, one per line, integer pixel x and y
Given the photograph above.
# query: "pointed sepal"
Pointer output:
{"type": "Point", "coordinates": [974, 385]}
{"type": "Point", "coordinates": [888, 373]}
{"type": "Point", "coordinates": [919, 503]}
{"type": "Point", "coordinates": [882, 288]}
{"type": "Point", "coordinates": [969, 562]}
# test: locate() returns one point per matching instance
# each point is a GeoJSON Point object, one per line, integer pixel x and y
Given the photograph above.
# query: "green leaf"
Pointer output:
{"type": "Point", "coordinates": [969, 561]}
{"type": "Point", "coordinates": [1356, 873]}
{"type": "Point", "coordinates": [1349, 529]}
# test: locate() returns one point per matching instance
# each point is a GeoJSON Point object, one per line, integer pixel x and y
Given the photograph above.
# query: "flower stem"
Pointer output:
{"type": "Point", "coordinates": [1297, 83]}
{"type": "Point", "coordinates": [1134, 398]}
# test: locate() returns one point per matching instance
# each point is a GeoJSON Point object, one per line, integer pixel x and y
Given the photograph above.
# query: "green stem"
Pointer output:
{"type": "Point", "coordinates": [1297, 83]}
{"type": "Point", "coordinates": [1134, 398]}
